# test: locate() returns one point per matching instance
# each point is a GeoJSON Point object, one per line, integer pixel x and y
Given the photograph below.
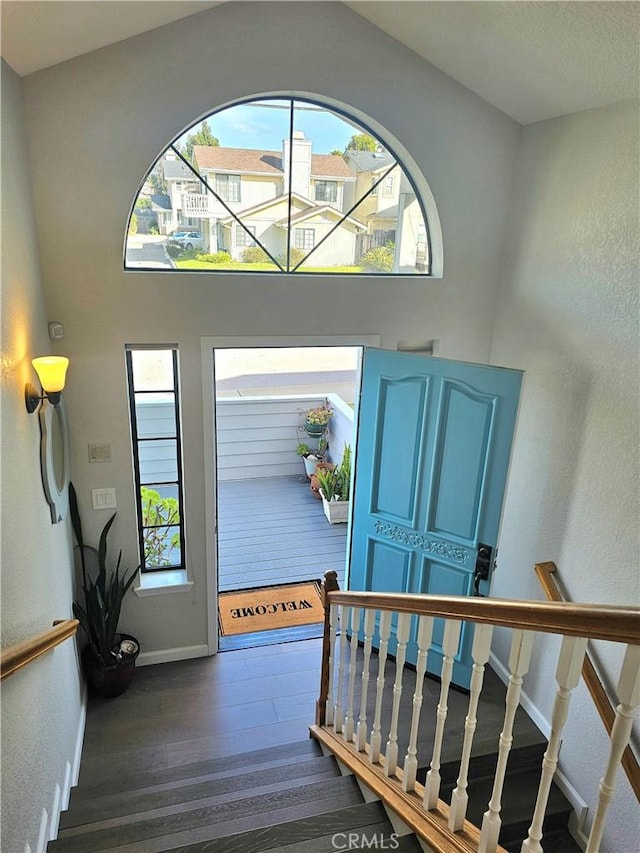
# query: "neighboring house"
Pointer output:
{"type": "Point", "coordinates": [254, 186]}
{"type": "Point", "coordinates": [389, 209]}
{"type": "Point", "coordinates": [180, 181]}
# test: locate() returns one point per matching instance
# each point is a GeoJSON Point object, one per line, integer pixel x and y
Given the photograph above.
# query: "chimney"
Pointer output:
{"type": "Point", "coordinates": [301, 165]}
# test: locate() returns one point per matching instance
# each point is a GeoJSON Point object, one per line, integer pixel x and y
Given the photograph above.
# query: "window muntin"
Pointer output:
{"type": "Point", "coordinates": [157, 458]}
{"type": "Point", "coordinates": [242, 237]}
{"type": "Point", "coordinates": [326, 191]}
{"type": "Point", "coordinates": [276, 161]}
{"type": "Point", "coordinates": [304, 238]}
{"type": "Point", "coordinates": [228, 187]}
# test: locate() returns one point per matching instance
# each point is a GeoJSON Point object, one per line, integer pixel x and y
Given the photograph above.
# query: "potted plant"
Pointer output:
{"type": "Point", "coordinates": [335, 485]}
{"type": "Point", "coordinates": [311, 458]}
{"type": "Point", "coordinates": [317, 419]}
{"type": "Point", "coordinates": [110, 657]}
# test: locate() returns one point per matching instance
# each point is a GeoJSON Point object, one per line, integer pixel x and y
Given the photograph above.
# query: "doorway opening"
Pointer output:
{"type": "Point", "coordinates": [272, 531]}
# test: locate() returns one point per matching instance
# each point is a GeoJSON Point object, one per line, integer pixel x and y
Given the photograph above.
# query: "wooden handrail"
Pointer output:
{"type": "Point", "coordinates": [20, 654]}
{"type": "Point", "coordinates": [545, 572]}
{"type": "Point", "coordinates": [606, 622]}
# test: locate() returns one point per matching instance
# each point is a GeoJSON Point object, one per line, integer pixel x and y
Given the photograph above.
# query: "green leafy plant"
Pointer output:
{"type": "Point", "coordinates": [295, 256]}
{"type": "Point", "coordinates": [220, 257]}
{"type": "Point", "coordinates": [379, 259]}
{"type": "Point", "coordinates": [336, 483]}
{"type": "Point", "coordinates": [99, 611]}
{"type": "Point", "coordinates": [133, 224]}
{"type": "Point", "coordinates": [254, 255]}
{"type": "Point", "coordinates": [319, 415]}
{"type": "Point", "coordinates": [158, 516]}
{"type": "Point", "coordinates": [303, 449]}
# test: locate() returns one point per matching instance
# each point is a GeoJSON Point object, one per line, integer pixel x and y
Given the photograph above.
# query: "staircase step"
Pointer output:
{"type": "Point", "coordinates": [215, 817]}
{"type": "Point", "coordinates": [219, 785]}
{"type": "Point", "coordinates": [484, 766]}
{"type": "Point", "coordinates": [108, 779]}
{"type": "Point", "coordinates": [310, 835]}
{"type": "Point", "coordinates": [518, 802]}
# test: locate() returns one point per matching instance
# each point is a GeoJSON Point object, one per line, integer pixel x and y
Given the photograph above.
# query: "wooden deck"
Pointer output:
{"type": "Point", "coordinates": [272, 530]}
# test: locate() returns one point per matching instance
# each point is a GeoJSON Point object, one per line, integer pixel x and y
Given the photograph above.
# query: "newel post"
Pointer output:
{"type": "Point", "coordinates": [329, 584]}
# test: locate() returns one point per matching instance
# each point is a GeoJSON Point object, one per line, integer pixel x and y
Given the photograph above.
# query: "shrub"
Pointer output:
{"type": "Point", "coordinates": [133, 224]}
{"type": "Point", "coordinates": [220, 257]}
{"type": "Point", "coordinates": [379, 259]}
{"type": "Point", "coordinates": [295, 256]}
{"type": "Point", "coordinates": [153, 230]}
{"type": "Point", "coordinates": [254, 255]}
{"type": "Point", "coordinates": [173, 251]}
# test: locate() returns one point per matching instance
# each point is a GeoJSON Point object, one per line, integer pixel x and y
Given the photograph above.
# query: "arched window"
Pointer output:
{"type": "Point", "coordinates": [282, 185]}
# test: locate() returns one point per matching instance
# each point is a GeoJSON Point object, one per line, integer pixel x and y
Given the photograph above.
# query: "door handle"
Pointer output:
{"type": "Point", "coordinates": [483, 565]}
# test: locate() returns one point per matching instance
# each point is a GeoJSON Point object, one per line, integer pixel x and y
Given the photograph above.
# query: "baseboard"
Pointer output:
{"type": "Point", "coordinates": [169, 655]}
{"type": "Point", "coordinates": [579, 806]}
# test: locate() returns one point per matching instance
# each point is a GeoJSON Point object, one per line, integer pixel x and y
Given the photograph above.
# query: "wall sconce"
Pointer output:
{"type": "Point", "coordinates": [51, 370]}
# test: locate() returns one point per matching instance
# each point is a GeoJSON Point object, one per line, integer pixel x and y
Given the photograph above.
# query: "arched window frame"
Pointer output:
{"type": "Point", "coordinates": [360, 123]}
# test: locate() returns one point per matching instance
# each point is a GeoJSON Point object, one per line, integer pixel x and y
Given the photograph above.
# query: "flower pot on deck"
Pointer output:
{"type": "Point", "coordinates": [337, 512]}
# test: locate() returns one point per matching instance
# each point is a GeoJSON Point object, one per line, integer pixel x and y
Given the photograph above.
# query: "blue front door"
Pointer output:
{"type": "Point", "coordinates": [434, 441]}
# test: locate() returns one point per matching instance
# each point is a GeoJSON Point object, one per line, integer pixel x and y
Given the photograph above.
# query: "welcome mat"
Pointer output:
{"type": "Point", "coordinates": [270, 607]}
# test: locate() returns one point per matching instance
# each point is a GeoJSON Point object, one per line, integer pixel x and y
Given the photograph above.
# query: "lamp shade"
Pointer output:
{"type": "Point", "coordinates": [51, 370]}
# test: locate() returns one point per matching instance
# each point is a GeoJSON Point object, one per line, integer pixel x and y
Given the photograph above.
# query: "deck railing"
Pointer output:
{"type": "Point", "coordinates": [355, 619]}
{"type": "Point", "coordinates": [18, 655]}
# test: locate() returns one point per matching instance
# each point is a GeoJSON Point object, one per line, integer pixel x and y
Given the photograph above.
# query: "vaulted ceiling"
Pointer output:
{"type": "Point", "coordinates": [533, 60]}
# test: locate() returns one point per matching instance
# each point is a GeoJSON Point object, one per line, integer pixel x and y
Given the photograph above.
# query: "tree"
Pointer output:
{"type": "Point", "coordinates": [204, 136]}
{"type": "Point", "coordinates": [337, 153]}
{"type": "Point", "coordinates": [362, 142]}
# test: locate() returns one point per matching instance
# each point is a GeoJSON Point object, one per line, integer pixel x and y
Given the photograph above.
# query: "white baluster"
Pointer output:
{"type": "Point", "coordinates": [338, 720]}
{"type": "Point", "coordinates": [391, 749]}
{"type": "Point", "coordinates": [361, 731]}
{"type": "Point", "coordinates": [376, 734]}
{"type": "Point", "coordinates": [355, 630]}
{"type": "Point", "coordinates": [567, 675]}
{"type": "Point", "coordinates": [450, 642]}
{"type": "Point", "coordinates": [519, 660]}
{"type": "Point", "coordinates": [480, 654]}
{"type": "Point", "coordinates": [425, 629]}
{"type": "Point", "coordinates": [629, 697]}
{"type": "Point", "coordinates": [333, 623]}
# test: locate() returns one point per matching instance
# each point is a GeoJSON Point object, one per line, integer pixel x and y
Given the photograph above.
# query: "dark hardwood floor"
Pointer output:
{"type": "Point", "coordinates": [242, 700]}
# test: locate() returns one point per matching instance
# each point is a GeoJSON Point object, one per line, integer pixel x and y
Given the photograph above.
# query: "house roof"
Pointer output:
{"type": "Point", "coordinates": [314, 211]}
{"type": "Point", "coordinates": [176, 170]}
{"type": "Point", "coordinates": [160, 202]}
{"type": "Point", "coordinates": [369, 161]}
{"type": "Point", "coordinates": [266, 162]}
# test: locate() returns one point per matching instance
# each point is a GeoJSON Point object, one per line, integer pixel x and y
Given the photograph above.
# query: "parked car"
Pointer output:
{"type": "Point", "coordinates": [187, 240]}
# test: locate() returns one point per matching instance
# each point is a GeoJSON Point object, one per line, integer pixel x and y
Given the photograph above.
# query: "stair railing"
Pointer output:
{"type": "Point", "coordinates": [545, 572]}
{"type": "Point", "coordinates": [18, 655]}
{"type": "Point", "coordinates": [356, 622]}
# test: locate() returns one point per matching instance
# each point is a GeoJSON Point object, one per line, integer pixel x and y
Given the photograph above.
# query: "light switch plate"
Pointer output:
{"type": "Point", "coordinates": [104, 498]}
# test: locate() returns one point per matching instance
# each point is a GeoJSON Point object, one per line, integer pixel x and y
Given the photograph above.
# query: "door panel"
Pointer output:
{"type": "Point", "coordinates": [434, 441]}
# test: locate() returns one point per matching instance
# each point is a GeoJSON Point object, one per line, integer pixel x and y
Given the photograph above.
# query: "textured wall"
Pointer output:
{"type": "Point", "coordinates": [41, 704]}
{"type": "Point", "coordinates": [568, 315]}
{"type": "Point", "coordinates": [95, 125]}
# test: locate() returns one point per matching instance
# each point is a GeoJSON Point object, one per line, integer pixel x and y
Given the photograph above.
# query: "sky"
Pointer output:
{"type": "Point", "coordinates": [263, 125]}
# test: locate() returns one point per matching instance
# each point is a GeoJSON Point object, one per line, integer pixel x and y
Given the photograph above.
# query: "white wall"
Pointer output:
{"type": "Point", "coordinates": [95, 125]}
{"type": "Point", "coordinates": [41, 705]}
{"type": "Point", "coordinates": [568, 316]}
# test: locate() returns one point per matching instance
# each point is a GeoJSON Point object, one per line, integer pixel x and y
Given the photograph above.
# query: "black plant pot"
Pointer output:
{"type": "Point", "coordinates": [110, 681]}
